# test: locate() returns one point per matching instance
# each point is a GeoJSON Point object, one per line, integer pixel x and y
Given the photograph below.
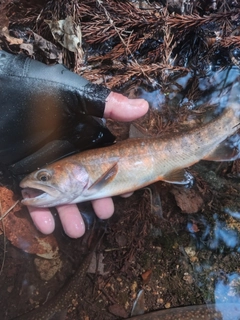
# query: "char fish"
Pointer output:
{"type": "Point", "coordinates": [57, 306]}
{"type": "Point", "coordinates": [132, 164]}
{"type": "Point", "coordinates": [230, 311]}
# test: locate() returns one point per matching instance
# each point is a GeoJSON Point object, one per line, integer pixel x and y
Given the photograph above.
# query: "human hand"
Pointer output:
{"type": "Point", "coordinates": [118, 108]}
{"type": "Point", "coordinates": [37, 101]}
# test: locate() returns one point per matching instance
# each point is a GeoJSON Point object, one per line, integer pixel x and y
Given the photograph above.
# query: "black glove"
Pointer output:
{"type": "Point", "coordinates": [41, 105]}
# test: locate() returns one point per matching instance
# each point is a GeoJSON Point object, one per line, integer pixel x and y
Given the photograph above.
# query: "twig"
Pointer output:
{"type": "Point", "coordinates": [4, 242]}
{"type": "Point", "coordinates": [126, 45]}
{"type": "Point", "coordinates": [12, 207]}
{"type": "Point", "coordinates": [3, 228]}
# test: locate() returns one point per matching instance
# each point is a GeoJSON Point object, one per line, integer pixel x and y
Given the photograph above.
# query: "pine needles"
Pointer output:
{"type": "Point", "coordinates": [122, 40]}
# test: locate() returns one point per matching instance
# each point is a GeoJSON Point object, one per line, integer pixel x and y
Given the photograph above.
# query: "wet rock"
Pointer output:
{"type": "Point", "coordinates": [188, 200]}
{"type": "Point", "coordinates": [47, 268]}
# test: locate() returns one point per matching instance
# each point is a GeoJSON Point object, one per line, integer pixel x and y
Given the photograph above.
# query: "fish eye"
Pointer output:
{"type": "Point", "coordinates": [43, 176]}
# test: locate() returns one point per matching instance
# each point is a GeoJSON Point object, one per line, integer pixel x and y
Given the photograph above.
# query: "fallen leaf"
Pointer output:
{"type": "Point", "coordinates": [47, 268]}
{"type": "Point", "coordinates": [188, 200]}
{"type": "Point", "coordinates": [67, 33]}
{"type": "Point", "coordinates": [20, 231]}
{"type": "Point", "coordinates": [146, 276]}
{"type": "Point", "coordinates": [11, 40]}
{"type": "Point", "coordinates": [97, 265]}
{"type": "Point", "coordinates": [118, 311]}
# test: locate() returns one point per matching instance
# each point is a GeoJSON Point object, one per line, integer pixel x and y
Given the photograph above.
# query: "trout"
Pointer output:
{"type": "Point", "coordinates": [220, 311]}
{"type": "Point", "coordinates": [132, 164]}
{"type": "Point", "coordinates": [59, 304]}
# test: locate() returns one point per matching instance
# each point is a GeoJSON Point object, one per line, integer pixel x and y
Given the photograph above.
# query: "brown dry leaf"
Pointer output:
{"type": "Point", "coordinates": [49, 50]}
{"type": "Point", "coordinates": [97, 265]}
{"type": "Point", "coordinates": [146, 276]}
{"type": "Point", "coordinates": [188, 200]}
{"type": "Point", "coordinates": [11, 40]}
{"type": "Point", "coordinates": [118, 311]}
{"type": "Point", "coordinates": [47, 268]}
{"type": "Point", "coordinates": [3, 22]}
{"type": "Point", "coordinates": [20, 231]}
{"type": "Point", "coordinates": [67, 33]}
{"type": "Point", "coordinates": [28, 47]}
{"type": "Point", "coordinates": [194, 228]}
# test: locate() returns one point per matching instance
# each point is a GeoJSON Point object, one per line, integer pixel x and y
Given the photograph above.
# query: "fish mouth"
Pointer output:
{"type": "Point", "coordinates": [39, 195]}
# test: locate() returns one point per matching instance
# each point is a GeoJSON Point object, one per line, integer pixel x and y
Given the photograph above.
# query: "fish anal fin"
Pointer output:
{"type": "Point", "coordinates": [224, 152]}
{"type": "Point", "coordinates": [105, 178]}
{"type": "Point", "coordinates": [179, 176]}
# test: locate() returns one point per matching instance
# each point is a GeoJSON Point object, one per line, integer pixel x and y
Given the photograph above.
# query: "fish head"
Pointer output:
{"type": "Point", "coordinates": [56, 184]}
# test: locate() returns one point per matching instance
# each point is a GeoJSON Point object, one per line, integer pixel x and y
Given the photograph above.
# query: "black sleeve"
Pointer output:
{"type": "Point", "coordinates": [56, 85]}
{"type": "Point", "coordinates": [40, 103]}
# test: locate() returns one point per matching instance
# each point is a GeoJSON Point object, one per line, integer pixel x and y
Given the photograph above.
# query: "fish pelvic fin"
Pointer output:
{"type": "Point", "coordinates": [105, 178]}
{"type": "Point", "coordinates": [179, 176]}
{"type": "Point", "coordinates": [137, 131]}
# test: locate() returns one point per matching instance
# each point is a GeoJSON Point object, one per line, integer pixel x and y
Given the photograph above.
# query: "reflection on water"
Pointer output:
{"type": "Point", "coordinates": [192, 90]}
{"type": "Point", "coordinates": [222, 241]}
{"type": "Point", "coordinates": [215, 231]}
{"type": "Point", "coordinates": [221, 238]}
{"type": "Point", "coordinates": [227, 290]}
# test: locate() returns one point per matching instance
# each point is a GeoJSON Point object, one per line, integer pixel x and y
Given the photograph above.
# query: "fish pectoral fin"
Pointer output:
{"type": "Point", "coordinates": [105, 178]}
{"type": "Point", "coordinates": [137, 131]}
{"type": "Point", "coordinates": [224, 152]}
{"type": "Point", "coordinates": [180, 176]}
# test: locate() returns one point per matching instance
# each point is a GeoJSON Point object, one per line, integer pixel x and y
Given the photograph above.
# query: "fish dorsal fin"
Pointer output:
{"type": "Point", "coordinates": [105, 178]}
{"type": "Point", "coordinates": [225, 151]}
{"type": "Point", "coordinates": [179, 176]}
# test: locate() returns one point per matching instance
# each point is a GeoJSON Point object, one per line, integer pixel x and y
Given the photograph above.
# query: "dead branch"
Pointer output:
{"type": "Point", "coordinates": [188, 22]}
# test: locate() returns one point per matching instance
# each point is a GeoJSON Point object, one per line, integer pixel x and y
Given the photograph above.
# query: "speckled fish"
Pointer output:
{"type": "Point", "coordinates": [57, 306]}
{"type": "Point", "coordinates": [132, 164]}
{"type": "Point", "coordinates": [224, 311]}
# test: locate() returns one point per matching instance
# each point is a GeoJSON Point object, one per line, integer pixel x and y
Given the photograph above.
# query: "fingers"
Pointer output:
{"type": "Point", "coordinates": [43, 219]}
{"type": "Point", "coordinates": [120, 108]}
{"type": "Point", "coordinates": [103, 208]}
{"type": "Point", "coordinates": [71, 220]}
{"type": "Point", "coordinates": [126, 195]}
{"type": "Point", "coordinates": [70, 216]}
